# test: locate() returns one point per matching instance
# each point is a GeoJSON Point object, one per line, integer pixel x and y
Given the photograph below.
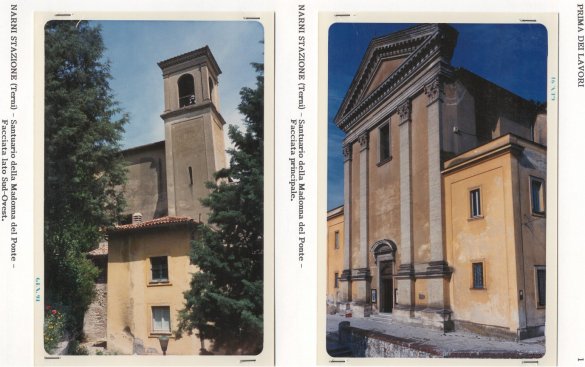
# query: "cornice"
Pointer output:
{"type": "Point", "coordinates": [203, 51]}
{"type": "Point", "coordinates": [400, 96]}
{"type": "Point", "coordinates": [439, 44]}
{"type": "Point", "coordinates": [394, 45]}
{"type": "Point", "coordinates": [170, 116]}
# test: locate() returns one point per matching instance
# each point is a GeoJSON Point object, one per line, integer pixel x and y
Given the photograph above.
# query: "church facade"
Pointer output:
{"type": "Point", "coordinates": [148, 256]}
{"type": "Point", "coordinates": [444, 191]}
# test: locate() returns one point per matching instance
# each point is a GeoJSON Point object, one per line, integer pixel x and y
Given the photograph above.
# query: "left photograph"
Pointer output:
{"type": "Point", "coordinates": [153, 188]}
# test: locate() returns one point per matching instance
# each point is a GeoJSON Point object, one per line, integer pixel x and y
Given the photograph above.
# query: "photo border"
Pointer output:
{"type": "Point", "coordinates": [550, 21]}
{"type": "Point", "coordinates": [266, 357]}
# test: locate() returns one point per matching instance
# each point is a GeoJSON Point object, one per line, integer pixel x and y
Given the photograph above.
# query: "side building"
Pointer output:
{"type": "Point", "coordinates": [335, 253]}
{"type": "Point", "coordinates": [410, 118]}
{"type": "Point", "coordinates": [148, 254]}
{"type": "Point", "coordinates": [495, 235]}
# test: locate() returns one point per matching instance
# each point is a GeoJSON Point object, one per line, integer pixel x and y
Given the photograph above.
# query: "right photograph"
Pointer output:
{"type": "Point", "coordinates": [436, 190]}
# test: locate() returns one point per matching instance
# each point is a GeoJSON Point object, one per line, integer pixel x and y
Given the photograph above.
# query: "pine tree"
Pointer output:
{"type": "Point", "coordinates": [83, 166]}
{"type": "Point", "coordinates": [225, 301]}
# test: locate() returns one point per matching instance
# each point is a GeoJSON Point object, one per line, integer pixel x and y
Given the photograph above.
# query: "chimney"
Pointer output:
{"type": "Point", "coordinates": [136, 218]}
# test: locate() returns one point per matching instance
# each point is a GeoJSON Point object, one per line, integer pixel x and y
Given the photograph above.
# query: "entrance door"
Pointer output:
{"type": "Point", "coordinates": [386, 287]}
{"type": "Point", "coordinates": [386, 298]}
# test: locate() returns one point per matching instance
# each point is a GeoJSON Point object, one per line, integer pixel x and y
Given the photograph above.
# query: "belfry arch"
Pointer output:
{"type": "Point", "coordinates": [186, 86]}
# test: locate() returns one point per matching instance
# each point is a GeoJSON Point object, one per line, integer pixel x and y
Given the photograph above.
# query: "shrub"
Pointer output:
{"type": "Point", "coordinates": [54, 328]}
{"type": "Point", "coordinates": [76, 349]}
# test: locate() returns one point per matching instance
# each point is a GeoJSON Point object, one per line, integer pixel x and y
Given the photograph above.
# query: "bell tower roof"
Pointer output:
{"type": "Point", "coordinates": [191, 81]}
{"type": "Point", "coordinates": [189, 59]}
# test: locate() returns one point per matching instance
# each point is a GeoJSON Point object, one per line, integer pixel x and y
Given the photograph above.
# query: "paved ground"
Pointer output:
{"type": "Point", "coordinates": [451, 343]}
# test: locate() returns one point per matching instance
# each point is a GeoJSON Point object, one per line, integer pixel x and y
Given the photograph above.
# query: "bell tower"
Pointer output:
{"type": "Point", "coordinates": [194, 136]}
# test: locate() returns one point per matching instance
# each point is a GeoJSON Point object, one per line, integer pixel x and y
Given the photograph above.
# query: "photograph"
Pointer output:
{"type": "Point", "coordinates": [153, 235]}
{"type": "Point", "coordinates": [436, 190]}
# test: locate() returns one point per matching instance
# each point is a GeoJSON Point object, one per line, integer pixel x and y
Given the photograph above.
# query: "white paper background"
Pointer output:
{"type": "Point", "coordinates": [295, 288]}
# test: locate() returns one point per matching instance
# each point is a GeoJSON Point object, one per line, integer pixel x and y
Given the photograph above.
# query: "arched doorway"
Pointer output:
{"type": "Point", "coordinates": [383, 252]}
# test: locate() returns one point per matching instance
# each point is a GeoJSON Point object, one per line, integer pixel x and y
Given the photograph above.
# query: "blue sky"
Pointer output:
{"type": "Point", "coordinates": [510, 55]}
{"type": "Point", "coordinates": [135, 47]}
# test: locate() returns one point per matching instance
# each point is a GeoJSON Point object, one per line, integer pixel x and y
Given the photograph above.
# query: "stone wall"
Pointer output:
{"type": "Point", "coordinates": [94, 322]}
{"type": "Point", "coordinates": [364, 343]}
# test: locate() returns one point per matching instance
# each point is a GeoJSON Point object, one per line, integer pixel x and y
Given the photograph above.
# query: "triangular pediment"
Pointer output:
{"type": "Point", "coordinates": [383, 71]}
{"type": "Point", "coordinates": [390, 55]}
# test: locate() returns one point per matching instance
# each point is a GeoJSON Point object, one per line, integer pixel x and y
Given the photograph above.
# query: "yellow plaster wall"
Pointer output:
{"type": "Point", "coordinates": [384, 188]}
{"type": "Point", "coordinates": [384, 196]}
{"type": "Point", "coordinates": [421, 294]}
{"type": "Point", "coordinates": [533, 231]}
{"type": "Point", "coordinates": [130, 296]}
{"type": "Point", "coordinates": [334, 256]}
{"type": "Point", "coordinates": [489, 239]}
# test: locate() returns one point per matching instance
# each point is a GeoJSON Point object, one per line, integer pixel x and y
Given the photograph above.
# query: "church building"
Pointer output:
{"type": "Point", "coordinates": [444, 192]}
{"type": "Point", "coordinates": [149, 266]}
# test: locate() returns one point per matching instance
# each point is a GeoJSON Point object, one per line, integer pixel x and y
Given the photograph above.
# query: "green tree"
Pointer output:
{"type": "Point", "coordinates": [83, 165]}
{"type": "Point", "coordinates": [225, 301]}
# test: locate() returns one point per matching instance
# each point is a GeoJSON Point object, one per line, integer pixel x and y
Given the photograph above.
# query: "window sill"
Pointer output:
{"type": "Point", "coordinates": [478, 289]}
{"type": "Point", "coordinates": [157, 334]}
{"type": "Point", "coordinates": [539, 214]}
{"type": "Point", "coordinates": [159, 284]}
{"type": "Point", "coordinates": [384, 161]}
{"type": "Point", "coordinates": [471, 219]}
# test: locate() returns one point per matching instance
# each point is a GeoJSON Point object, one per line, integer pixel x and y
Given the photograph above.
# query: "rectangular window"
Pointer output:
{"type": "Point", "coordinates": [159, 268]}
{"type": "Point", "coordinates": [477, 269]}
{"type": "Point", "coordinates": [384, 142]}
{"type": "Point", "coordinates": [336, 239]}
{"type": "Point", "coordinates": [336, 280]}
{"type": "Point", "coordinates": [475, 203]}
{"type": "Point", "coordinates": [161, 319]}
{"type": "Point", "coordinates": [541, 285]}
{"type": "Point", "coordinates": [537, 195]}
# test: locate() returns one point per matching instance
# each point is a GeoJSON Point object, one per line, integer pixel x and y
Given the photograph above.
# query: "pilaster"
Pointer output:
{"type": "Point", "coordinates": [345, 283]}
{"type": "Point", "coordinates": [364, 140]}
{"type": "Point", "coordinates": [437, 265]}
{"type": "Point", "coordinates": [405, 276]}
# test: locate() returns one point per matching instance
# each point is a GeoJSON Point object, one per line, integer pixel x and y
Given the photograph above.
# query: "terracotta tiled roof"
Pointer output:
{"type": "Point", "coordinates": [151, 223]}
{"type": "Point", "coordinates": [102, 250]}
